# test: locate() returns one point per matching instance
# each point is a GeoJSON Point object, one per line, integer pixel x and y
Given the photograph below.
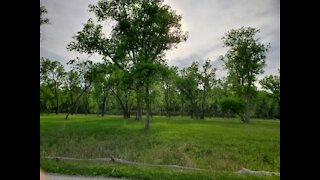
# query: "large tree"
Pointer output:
{"type": "Point", "coordinates": [244, 60]}
{"type": "Point", "coordinates": [143, 31]}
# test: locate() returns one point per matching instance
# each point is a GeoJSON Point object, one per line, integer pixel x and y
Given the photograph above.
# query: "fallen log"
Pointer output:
{"type": "Point", "coordinates": [248, 171]}
{"type": "Point", "coordinates": [122, 161]}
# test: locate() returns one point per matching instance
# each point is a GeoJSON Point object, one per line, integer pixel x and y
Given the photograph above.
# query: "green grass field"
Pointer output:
{"type": "Point", "coordinates": [222, 146]}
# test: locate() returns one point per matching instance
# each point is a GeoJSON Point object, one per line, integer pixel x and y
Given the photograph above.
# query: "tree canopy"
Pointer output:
{"type": "Point", "coordinates": [143, 31]}
{"type": "Point", "coordinates": [244, 60]}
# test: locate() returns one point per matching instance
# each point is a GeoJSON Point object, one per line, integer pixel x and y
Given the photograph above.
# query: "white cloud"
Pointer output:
{"type": "Point", "coordinates": [208, 20]}
{"type": "Point", "coordinates": [205, 20]}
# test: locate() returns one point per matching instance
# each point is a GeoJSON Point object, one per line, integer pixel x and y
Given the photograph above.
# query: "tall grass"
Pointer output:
{"type": "Point", "coordinates": [216, 144]}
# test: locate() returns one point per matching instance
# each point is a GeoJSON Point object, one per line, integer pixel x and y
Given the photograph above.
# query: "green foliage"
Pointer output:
{"type": "Point", "coordinates": [89, 72]}
{"type": "Point", "coordinates": [51, 71]}
{"type": "Point", "coordinates": [272, 84]}
{"type": "Point", "coordinates": [89, 40]}
{"type": "Point", "coordinates": [187, 85]}
{"type": "Point", "coordinates": [245, 59]}
{"type": "Point", "coordinates": [52, 75]}
{"type": "Point", "coordinates": [143, 31]}
{"type": "Point", "coordinates": [106, 89]}
{"type": "Point", "coordinates": [72, 85]}
{"type": "Point", "coordinates": [100, 92]}
{"type": "Point", "coordinates": [146, 27]}
{"type": "Point", "coordinates": [207, 75]}
{"type": "Point", "coordinates": [169, 87]}
{"type": "Point", "coordinates": [231, 106]}
{"type": "Point", "coordinates": [46, 98]}
{"type": "Point", "coordinates": [266, 106]}
{"type": "Point", "coordinates": [207, 81]}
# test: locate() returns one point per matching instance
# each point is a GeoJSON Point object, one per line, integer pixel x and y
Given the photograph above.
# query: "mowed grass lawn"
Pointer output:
{"type": "Point", "coordinates": [220, 145]}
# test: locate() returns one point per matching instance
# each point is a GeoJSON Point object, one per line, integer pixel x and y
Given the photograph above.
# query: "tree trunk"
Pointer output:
{"type": "Point", "coordinates": [57, 107]}
{"type": "Point", "coordinates": [148, 110]}
{"type": "Point", "coordinates": [75, 102]}
{"type": "Point", "coordinates": [87, 109]}
{"type": "Point", "coordinates": [126, 112]}
{"type": "Point", "coordinates": [148, 119]}
{"type": "Point", "coordinates": [167, 100]}
{"type": "Point", "coordinates": [139, 111]}
{"type": "Point", "coordinates": [246, 118]}
{"type": "Point", "coordinates": [103, 107]}
{"type": "Point", "coordinates": [127, 107]}
{"type": "Point", "coordinates": [104, 101]}
{"type": "Point", "coordinates": [139, 107]}
{"type": "Point", "coordinates": [57, 102]}
{"type": "Point", "coordinates": [203, 103]}
{"type": "Point", "coordinates": [191, 112]}
{"type": "Point", "coordinates": [75, 111]}
{"type": "Point", "coordinates": [182, 109]}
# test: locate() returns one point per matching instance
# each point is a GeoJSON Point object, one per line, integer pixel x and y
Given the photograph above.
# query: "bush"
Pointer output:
{"type": "Point", "coordinates": [232, 106]}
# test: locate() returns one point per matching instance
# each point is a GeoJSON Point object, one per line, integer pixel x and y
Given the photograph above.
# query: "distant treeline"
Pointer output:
{"type": "Point", "coordinates": [177, 93]}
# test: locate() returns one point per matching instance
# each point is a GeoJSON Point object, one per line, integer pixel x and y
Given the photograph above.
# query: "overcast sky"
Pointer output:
{"type": "Point", "coordinates": [205, 20]}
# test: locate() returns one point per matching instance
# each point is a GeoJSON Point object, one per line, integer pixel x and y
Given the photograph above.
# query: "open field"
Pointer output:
{"type": "Point", "coordinates": [221, 146]}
